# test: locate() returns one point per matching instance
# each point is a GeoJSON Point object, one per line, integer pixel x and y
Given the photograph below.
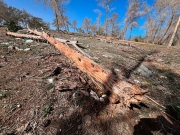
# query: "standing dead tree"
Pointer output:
{"type": "Point", "coordinates": [98, 20]}
{"type": "Point", "coordinates": [161, 20]}
{"type": "Point", "coordinates": [106, 4]}
{"type": "Point", "coordinates": [74, 25]}
{"type": "Point", "coordinates": [133, 13]}
{"type": "Point", "coordinates": [57, 7]}
{"type": "Point", "coordinates": [114, 24]}
{"type": "Point", "coordinates": [86, 24]}
{"type": "Point", "coordinates": [117, 88]}
{"type": "Point", "coordinates": [174, 32]}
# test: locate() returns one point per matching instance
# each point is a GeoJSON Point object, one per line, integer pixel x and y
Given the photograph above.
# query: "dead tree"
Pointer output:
{"type": "Point", "coordinates": [174, 32]}
{"type": "Point", "coordinates": [117, 88]}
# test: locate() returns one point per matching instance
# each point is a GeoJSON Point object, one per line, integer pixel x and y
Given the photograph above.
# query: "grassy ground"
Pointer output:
{"type": "Point", "coordinates": [31, 104]}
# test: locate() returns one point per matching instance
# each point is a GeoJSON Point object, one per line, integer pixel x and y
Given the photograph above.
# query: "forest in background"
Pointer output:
{"type": "Point", "coordinates": [160, 19]}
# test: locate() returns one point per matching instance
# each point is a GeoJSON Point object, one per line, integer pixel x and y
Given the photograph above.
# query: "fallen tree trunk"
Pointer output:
{"type": "Point", "coordinates": [114, 86]}
{"type": "Point", "coordinates": [25, 36]}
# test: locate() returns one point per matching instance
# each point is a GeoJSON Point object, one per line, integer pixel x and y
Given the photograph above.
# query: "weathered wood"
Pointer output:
{"type": "Point", "coordinates": [174, 32]}
{"type": "Point", "coordinates": [24, 36]}
{"type": "Point", "coordinates": [74, 43]}
{"type": "Point", "coordinates": [115, 86]}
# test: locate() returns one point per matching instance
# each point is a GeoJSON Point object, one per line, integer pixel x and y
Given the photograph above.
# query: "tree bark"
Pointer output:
{"type": "Point", "coordinates": [57, 22]}
{"type": "Point", "coordinates": [25, 36]}
{"type": "Point", "coordinates": [171, 20]}
{"type": "Point", "coordinates": [117, 88]}
{"type": "Point", "coordinates": [174, 33]}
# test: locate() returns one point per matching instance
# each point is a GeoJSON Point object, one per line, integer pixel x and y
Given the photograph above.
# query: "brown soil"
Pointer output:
{"type": "Point", "coordinates": [30, 104]}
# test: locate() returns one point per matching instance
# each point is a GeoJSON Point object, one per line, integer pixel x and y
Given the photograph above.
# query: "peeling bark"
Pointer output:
{"type": "Point", "coordinates": [117, 88]}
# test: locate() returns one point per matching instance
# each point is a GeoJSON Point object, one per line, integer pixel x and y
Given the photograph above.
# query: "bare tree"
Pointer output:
{"type": "Point", "coordinates": [98, 19]}
{"type": "Point", "coordinates": [93, 29]}
{"type": "Point", "coordinates": [106, 27]}
{"type": "Point", "coordinates": [86, 24]}
{"type": "Point", "coordinates": [114, 22]}
{"type": "Point", "coordinates": [58, 7]}
{"type": "Point", "coordinates": [107, 5]}
{"type": "Point", "coordinates": [133, 13]}
{"type": "Point", "coordinates": [174, 32]}
{"type": "Point", "coordinates": [74, 25]}
{"type": "Point", "coordinates": [161, 19]}
{"type": "Point", "coordinates": [63, 22]}
{"type": "Point", "coordinates": [3, 11]}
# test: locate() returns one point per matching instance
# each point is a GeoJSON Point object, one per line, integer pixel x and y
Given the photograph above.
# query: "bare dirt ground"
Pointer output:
{"type": "Point", "coordinates": [42, 92]}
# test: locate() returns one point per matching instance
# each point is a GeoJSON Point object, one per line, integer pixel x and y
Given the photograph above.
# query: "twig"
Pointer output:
{"type": "Point", "coordinates": [155, 102]}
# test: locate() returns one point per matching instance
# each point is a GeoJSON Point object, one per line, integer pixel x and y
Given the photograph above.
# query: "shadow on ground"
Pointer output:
{"type": "Point", "coordinates": [87, 118]}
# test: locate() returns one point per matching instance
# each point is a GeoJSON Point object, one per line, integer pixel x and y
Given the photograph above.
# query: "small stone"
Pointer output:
{"type": "Point", "coordinates": [27, 49]}
{"type": "Point", "coordinates": [159, 60]}
{"type": "Point", "coordinates": [136, 81]}
{"type": "Point", "coordinates": [51, 80]}
{"type": "Point", "coordinates": [18, 105]}
{"type": "Point", "coordinates": [163, 77]}
{"type": "Point", "coordinates": [28, 128]}
{"type": "Point", "coordinates": [104, 96]}
{"type": "Point", "coordinates": [101, 99]}
{"type": "Point", "coordinates": [11, 47]}
{"type": "Point", "coordinates": [46, 123]}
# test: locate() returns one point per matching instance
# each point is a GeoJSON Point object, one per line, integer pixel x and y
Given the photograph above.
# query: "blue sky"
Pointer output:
{"type": "Point", "coordinates": [76, 10]}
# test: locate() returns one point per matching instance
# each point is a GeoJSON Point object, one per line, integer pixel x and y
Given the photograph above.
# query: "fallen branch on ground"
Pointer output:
{"type": "Point", "coordinates": [74, 43]}
{"type": "Point", "coordinates": [114, 86]}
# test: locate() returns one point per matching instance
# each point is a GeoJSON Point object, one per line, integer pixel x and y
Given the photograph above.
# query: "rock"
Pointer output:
{"type": "Point", "coordinates": [117, 70]}
{"type": "Point", "coordinates": [18, 105]}
{"type": "Point", "coordinates": [46, 123]}
{"type": "Point", "coordinates": [101, 99]}
{"type": "Point", "coordinates": [18, 49]}
{"type": "Point", "coordinates": [51, 80]}
{"type": "Point", "coordinates": [94, 95]}
{"type": "Point", "coordinates": [159, 60]}
{"type": "Point", "coordinates": [163, 77]}
{"type": "Point", "coordinates": [11, 47]}
{"type": "Point", "coordinates": [27, 49]}
{"type": "Point", "coordinates": [28, 128]}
